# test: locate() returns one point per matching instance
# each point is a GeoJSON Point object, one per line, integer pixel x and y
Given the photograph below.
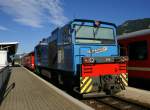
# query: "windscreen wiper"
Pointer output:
{"type": "Point", "coordinates": [80, 26]}
{"type": "Point", "coordinates": [96, 31]}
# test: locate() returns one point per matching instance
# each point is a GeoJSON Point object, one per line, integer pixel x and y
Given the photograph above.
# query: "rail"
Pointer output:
{"type": "Point", "coordinates": [114, 103]}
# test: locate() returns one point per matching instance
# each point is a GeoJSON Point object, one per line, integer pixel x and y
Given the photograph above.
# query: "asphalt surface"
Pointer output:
{"type": "Point", "coordinates": [26, 92]}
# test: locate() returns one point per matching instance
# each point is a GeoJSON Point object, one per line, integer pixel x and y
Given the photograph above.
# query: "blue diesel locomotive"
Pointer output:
{"type": "Point", "coordinates": [83, 55]}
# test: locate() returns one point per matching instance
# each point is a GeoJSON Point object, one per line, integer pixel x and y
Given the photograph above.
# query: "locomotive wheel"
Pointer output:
{"type": "Point", "coordinates": [60, 80]}
{"type": "Point", "coordinates": [55, 78]}
{"type": "Point", "coordinates": [38, 70]}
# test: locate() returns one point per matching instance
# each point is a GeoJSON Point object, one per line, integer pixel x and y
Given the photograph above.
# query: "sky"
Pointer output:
{"type": "Point", "coordinates": [29, 21]}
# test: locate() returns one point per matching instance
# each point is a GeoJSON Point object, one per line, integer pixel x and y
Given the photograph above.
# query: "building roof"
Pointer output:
{"type": "Point", "coordinates": [10, 46]}
{"type": "Point", "coordinates": [134, 34]}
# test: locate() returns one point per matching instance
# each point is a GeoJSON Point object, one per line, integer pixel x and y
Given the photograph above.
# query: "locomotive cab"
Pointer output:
{"type": "Point", "coordinates": [96, 57]}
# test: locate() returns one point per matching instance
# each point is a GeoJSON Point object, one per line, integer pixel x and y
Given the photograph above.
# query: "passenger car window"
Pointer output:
{"type": "Point", "coordinates": [138, 50]}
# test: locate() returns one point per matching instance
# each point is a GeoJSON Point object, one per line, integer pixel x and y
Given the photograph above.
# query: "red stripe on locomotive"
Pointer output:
{"type": "Point", "coordinates": [102, 69]}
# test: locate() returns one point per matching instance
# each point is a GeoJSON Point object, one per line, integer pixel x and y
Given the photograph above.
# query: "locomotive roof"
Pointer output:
{"type": "Point", "coordinates": [102, 22]}
{"type": "Point", "coordinates": [134, 34]}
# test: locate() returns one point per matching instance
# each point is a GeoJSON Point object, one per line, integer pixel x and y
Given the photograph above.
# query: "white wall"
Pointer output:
{"type": "Point", "coordinates": [3, 58]}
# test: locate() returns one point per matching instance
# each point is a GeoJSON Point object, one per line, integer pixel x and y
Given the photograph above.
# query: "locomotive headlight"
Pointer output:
{"type": "Point", "coordinates": [124, 59]}
{"type": "Point", "coordinates": [88, 60]}
{"type": "Point", "coordinates": [92, 60]}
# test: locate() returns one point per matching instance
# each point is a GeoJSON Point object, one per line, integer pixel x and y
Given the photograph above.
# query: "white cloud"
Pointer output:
{"type": "Point", "coordinates": [34, 12]}
{"type": "Point", "coordinates": [2, 28]}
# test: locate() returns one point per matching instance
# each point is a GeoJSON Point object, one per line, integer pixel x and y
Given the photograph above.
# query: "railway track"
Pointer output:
{"type": "Point", "coordinates": [113, 103]}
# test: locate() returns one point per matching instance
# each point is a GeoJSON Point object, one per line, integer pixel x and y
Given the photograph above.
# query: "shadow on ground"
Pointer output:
{"type": "Point", "coordinates": [5, 90]}
{"type": "Point", "coordinates": [139, 83]}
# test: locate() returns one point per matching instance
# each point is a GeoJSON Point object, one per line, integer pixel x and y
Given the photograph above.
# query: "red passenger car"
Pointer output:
{"type": "Point", "coordinates": [137, 46]}
{"type": "Point", "coordinates": [28, 61]}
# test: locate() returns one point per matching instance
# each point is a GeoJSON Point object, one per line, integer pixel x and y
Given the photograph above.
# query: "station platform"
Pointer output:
{"type": "Point", "coordinates": [26, 91]}
{"type": "Point", "coordinates": [135, 95]}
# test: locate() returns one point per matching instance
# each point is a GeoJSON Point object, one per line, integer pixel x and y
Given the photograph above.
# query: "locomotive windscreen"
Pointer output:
{"type": "Point", "coordinates": [91, 34]}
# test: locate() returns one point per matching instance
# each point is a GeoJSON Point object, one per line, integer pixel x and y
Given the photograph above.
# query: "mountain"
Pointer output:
{"type": "Point", "coordinates": [133, 25]}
